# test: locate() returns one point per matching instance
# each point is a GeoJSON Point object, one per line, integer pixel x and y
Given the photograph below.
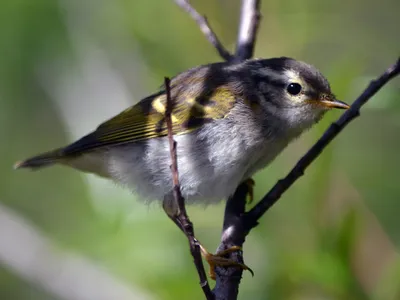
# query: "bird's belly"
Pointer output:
{"type": "Point", "coordinates": [263, 156]}
{"type": "Point", "coordinates": [211, 163]}
{"type": "Point", "coordinates": [145, 169]}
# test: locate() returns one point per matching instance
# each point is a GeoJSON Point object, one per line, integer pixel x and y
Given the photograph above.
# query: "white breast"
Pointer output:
{"type": "Point", "coordinates": [211, 162]}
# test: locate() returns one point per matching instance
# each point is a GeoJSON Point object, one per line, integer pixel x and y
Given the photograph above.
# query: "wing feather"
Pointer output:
{"type": "Point", "coordinates": [146, 119]}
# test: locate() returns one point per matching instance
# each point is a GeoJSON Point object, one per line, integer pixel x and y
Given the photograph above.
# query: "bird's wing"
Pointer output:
{"type": "Point", "coordinates": [191, 108]}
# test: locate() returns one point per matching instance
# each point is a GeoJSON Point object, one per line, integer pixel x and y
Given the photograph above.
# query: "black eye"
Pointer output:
{"type": "Point", "coordinates": [294, 89]}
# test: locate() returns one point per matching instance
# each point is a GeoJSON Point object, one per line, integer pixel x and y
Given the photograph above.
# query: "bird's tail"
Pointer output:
{"type": "Point", "coordinates": [41, 160]}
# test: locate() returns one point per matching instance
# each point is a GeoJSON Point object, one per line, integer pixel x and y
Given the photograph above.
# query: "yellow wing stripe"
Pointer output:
{"type": "Point", "coordinates": [138, 135]}
{"type": "Point", "coordinates": [146, 119]}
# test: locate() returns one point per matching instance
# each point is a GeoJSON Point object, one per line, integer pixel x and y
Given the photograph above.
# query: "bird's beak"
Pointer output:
{"type": "Point", "coordinates": [331, 102]}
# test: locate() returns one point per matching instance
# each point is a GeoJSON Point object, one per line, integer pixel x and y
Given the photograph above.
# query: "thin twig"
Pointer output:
{"type": "Point", "coordinates": [172, 146]}
{"type": "Point", "coordinates": [183, 218]}
{"type": "Point", "coordinates": [250, 17]}
{"type": "Point", "coordinates": [353, 112]}
{"type": "Point", "coordinates": [205, 28]}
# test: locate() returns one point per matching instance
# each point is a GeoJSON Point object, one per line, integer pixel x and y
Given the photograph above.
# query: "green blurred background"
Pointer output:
{"type": "Point", "coordinates": [67, 65]}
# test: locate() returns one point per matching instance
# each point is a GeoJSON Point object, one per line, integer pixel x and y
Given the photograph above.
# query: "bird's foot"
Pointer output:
{"type": "Point", "coordinates": [218, 260]}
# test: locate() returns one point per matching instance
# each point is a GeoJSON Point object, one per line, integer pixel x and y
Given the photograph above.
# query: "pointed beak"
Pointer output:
{"type": "Point", "coordinates": [331, 102]}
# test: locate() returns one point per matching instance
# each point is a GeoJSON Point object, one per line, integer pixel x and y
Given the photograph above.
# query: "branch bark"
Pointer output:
{"type": "Point", "coordinates": [250, 17]}
{"type": "Point", "coordinates": [234, 232]}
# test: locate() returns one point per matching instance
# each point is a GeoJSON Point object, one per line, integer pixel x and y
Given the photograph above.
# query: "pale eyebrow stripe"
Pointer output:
{"type": "Point", "coordinates": [293, 76]}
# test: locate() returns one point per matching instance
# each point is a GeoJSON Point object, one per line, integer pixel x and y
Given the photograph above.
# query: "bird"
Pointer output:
{"type": "Point", "coordinates": [229, 120]}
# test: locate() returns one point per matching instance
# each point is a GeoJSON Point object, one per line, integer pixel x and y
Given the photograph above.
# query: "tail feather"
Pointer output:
{"type": "Point", "coordinates": [41, 160]}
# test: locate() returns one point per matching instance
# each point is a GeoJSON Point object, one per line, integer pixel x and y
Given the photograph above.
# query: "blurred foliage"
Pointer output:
{"type": "Point", "coordinates": [333, 235]}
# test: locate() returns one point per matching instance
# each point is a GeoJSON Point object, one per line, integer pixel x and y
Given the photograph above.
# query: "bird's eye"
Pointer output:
{"type": "Point", "coordinates": [294, 89]}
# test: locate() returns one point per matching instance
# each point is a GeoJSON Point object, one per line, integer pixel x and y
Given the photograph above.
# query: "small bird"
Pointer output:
{"type": "Point", "coordinates": [229, 119]}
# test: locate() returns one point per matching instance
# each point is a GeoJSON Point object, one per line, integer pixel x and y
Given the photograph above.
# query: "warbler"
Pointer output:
{"type": "Point", "coordinates": [229, 119]}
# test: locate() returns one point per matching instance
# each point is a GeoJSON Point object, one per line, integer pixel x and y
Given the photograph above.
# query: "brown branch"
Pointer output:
{"type": "Point", "coordinates": [183, 220]}
{"type": "Point", "coordinates": [205, 28]}
{"type": "Point", "coordinates": [250, 17]}
{"type": "Point", "coordinates": [234, 233]}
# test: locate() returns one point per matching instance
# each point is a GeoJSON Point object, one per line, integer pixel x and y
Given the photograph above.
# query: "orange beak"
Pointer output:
{"type": "Point", "coordinates": [334, 103]}
{"type": "Point", "coordinates": [329, 101]}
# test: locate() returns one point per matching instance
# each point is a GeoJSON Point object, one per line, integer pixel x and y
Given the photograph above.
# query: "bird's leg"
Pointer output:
{"type": "Point", "coordinates": [213, 260]}
{"type": "Point", "coordinates": [250, 186]}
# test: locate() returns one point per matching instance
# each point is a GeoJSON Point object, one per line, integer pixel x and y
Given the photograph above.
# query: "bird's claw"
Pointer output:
{"type": "Point", "coordinates": [218, 260]}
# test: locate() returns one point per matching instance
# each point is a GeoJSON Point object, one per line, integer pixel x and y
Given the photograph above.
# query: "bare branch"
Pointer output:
{"type": "Point", "coordinates": [205, 28]}
{"type": "Point", "coordinates": [250, 17]}
{"type": "Point", "coordinates": [183, 220]}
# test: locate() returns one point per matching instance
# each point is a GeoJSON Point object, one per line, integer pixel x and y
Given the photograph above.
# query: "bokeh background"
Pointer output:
{"type": "Point", "coordinates": [67, 65]}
